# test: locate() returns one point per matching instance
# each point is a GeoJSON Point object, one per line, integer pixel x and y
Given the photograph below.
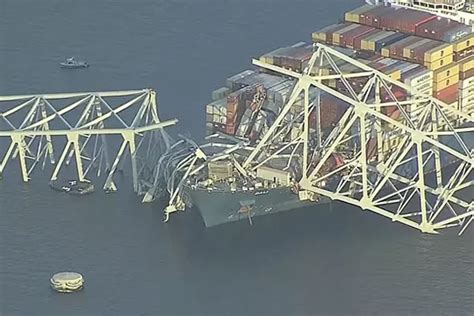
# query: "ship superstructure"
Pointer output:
{"type": "Point", "coordinates": [458, 10]}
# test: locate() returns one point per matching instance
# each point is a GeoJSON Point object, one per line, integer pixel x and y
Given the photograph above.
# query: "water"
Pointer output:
{"type": "Point", "coordinates": [310, 262]}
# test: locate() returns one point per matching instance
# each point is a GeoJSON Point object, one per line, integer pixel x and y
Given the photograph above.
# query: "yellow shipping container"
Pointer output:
{"type": "Point", "coordinates": [324, 71]}
{"type": "Point", "coordinates": [445, 72]}
{"type": "Point", "coordinates": [385, 52]}
{"type": "Point", "coordinates": [266, 59]}
{"type": "Point", "coordinates": [353, 15]}
{"type": "Point", "coordinates": [319, 37]}
{"type": "Point", "coordinates": [439, 63]}
{"type": "Point", "coordinates": [395, 74]}
{"type": "Point", "coordinates": [464, 43]}
{"type": "Point", "coordinates": [364, 45]}
{"type": "Point", "coordinates": [443, 84]}
{"type": "Point", "coordinates": [466, 64]}
{"type": "Point", "coordinates": [438, 52]}
{"type": "Point", "coordinates": [368, 43]}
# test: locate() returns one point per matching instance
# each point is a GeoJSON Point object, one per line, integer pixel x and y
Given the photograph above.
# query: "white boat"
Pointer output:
{"type": "Point", "coordinates": [71, 62]}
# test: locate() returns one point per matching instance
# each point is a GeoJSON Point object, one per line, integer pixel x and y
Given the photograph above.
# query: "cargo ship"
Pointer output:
{"type": "Point", "coordinates": [410, 46]}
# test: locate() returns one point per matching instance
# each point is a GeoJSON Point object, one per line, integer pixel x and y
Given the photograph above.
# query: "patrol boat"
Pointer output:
{"type": "Point", "coordinates": [72, 63]}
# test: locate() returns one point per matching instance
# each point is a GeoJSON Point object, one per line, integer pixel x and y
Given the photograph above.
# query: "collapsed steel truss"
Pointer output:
{"type": "Point", "coordinates": [86, 126]}
{"type": "Point", "coordinates": [409, 182]}
{"type": "Point", "coordinates": [415, 168]}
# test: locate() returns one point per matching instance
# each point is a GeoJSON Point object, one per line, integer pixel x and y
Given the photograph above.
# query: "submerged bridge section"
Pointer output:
{"type": "Point", "coordinates": [84, 129]}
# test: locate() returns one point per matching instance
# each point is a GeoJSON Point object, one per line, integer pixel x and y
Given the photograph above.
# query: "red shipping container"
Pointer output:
{"type": "Point", "coordinates": [399, 93]}
{"type": "Point", "coordinates": [442, 29]}
{"type": "Point", "coordinates": [448, 99]}
{"type": "Point", "coordinates": [332, 109]}
{"type": "Point", "coordinates": [448, 95]}
{"type": "Point", "coordinates": [330, 30]}
{"type": "Point", "coordinates": [419, 51]}
{"type": "Point", "coordinates": [373, 16]}
{"type": "Point", "coordinates": [230, 129]}
{"type": "Point", "coordinates": [232, 107]}
{"type": "Point", "coordinates": [405, 20]}
{"type": "Point", "coordinates": [347, 38]}
{"type": "Point", "coordinates": [296, 60]}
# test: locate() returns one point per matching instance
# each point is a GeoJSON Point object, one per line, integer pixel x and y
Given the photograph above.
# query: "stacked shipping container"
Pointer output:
{"type": "Point", "coordinates": [435, 56]}
{"type": "Point", "coordinates": [443, 29]}
{"type": "Point", "coordinates": [410, 22]}
{"type": "Point", "coordinates": [294, 57]}
{"type": "Point", "coordinates": [228, 110]}
{"type": "Point", "coordinates": [466, 85]}
{"type": "Point", "coordinates": [463, 48]}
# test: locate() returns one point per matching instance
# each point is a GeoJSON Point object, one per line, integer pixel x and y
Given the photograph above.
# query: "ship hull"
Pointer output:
{"type": "Point", "coordinates": [223, 207]}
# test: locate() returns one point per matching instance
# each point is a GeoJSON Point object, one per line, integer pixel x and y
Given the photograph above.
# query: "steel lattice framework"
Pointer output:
{"type": "Point", "coordinates": [409, 159]}
{"type": "Point", "coordinates": [33, 127]}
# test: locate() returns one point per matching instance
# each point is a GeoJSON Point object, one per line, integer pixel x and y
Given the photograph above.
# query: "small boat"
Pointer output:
{"type": "Point", "coordinates": [71, 62]}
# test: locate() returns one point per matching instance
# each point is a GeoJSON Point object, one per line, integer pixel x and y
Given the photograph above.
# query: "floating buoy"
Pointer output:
{"type": "Point", "coordinates": [66, 282]}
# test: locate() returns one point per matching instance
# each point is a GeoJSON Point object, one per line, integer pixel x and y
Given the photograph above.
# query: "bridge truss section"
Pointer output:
{"type": "Point", "coordinates": [395, 152]}
{"type": "Point", "coordinates": [94, 130]}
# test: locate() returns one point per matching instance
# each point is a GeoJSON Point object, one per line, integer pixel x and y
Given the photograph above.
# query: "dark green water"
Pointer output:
{"type": "Point", "coordinates": [309, 262]}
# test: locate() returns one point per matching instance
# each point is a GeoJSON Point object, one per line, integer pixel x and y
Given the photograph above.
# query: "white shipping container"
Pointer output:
{"type": "Point", "coordinates": [277, 176]}
{"type": "Point", "coordinates": [467, 83]}
{"type": "Point", "coordinates": [216, 118]}
{"type": "Point", "coordinates": [469, 109]}
{"type": "Point", "coordinates": [209, 109]}
{"type": "Point", "coordinates": [221, 109]}
{"type": "Point", "coordinates": [217, 107]}
{"type": "Point", "coordinates": [451, 115]}
{"type": "Point", "coordinates": [466, 102]}
{"type": "Point", "coordinates": [424, 86]}
{"type": "Point", "coordinates": [466, 93]}
{"type": "Point", "coordinates": [419, 78]}
{"type": "Point", "coordinates": [427, 91]}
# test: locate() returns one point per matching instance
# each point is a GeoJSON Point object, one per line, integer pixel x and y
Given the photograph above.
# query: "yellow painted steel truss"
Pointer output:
{"type": "Point", "coordinates": [33, 127]}
{"type": "Point", "coordinates": [424, 179]}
